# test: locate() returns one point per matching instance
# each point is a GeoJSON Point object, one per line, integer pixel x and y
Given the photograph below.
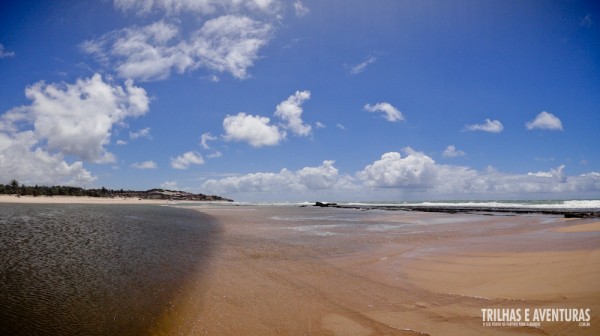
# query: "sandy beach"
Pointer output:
{"type": "Point", "coordinates": [288, 270]}
{"type": "Point", "coordinates": [307, 271]}
{"type": "Point", "coordinates": [77, 200]}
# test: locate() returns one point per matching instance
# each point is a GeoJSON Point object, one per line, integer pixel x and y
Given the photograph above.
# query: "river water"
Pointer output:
{"type": "Point", "coordinates": [96, 269]}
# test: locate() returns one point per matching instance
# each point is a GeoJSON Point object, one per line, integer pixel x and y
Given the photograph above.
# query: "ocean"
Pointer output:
{"type": "Point", "coordinates": [559, 204]}
{"type": "Point", "coordinates": [96, 269]}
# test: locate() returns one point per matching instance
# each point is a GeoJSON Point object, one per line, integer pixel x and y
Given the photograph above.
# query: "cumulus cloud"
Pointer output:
{"type": "Point", "coordinates": [227, 43]}
{"type": "Point", "coordinates": [545, 121]}
{"type": "Point", "coordinates": [416, 170]}
{"type": "Point", "coordinates": [185, 160]}
{"type": "Point", "coordinates": [415, 173]}
{"type": "Point", "coordinates": [558, 174]}
{"type": "Point", "coordinates": [77, 119]}
{"type": "Point", "coordinates": [22, 158]}
{"type": "Point", "coordinates": [323, 177]}
{"type": "Point", "coordinates": [4, 53]}
{"type": "Point", "coordinates": [144, 165]}
{"type": "Point", "coordinates": [491, 126]}
{"type": "Point", "coordinates": [358, 68]}
{"type": "Point", "coordinates": [451, 152]}
{"type": "Point", "coordinates": [65, 119]}
{"type": "Point", "coordinates": [258, 131]}
{"type": "Point", "coordinates": [391, 113]}
{"type": "Point", "coordinates": [255, 130]}
{"type": "Point", "coordinates": [290, 111]}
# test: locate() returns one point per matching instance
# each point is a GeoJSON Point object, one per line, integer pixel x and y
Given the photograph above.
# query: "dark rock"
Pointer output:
{"type": "Point", "coordinates": [325, 204]}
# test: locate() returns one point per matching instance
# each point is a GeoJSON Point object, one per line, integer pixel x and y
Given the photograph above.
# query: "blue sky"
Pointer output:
{"type": "Point", "coordinates": [301, 100]}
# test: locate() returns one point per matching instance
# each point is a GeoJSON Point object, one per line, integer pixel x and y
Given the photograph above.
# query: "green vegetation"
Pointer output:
{"type": "Point", "coordinates": [21, 189]}
{"type": "Point", "coordinates": [14, 188]}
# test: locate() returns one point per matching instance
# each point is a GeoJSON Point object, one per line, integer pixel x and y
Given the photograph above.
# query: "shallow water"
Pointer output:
{"type": "Point", "coordinates": [96, 269]}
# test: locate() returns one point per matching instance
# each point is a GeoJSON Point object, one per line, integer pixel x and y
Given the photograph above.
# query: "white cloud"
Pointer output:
{"type": "Point", "coordinates": [416, 170]}
{"type": "Point", "coordinates": [77, 119]}
{"type": "Point", "coordinates": [491, 126]}
{"type": "Point", "coordinates": [545, 121]}
{"type": "Point", "coordinates": [203, 7]}
{"type": "Point", "coordinates": [362, 66]}
{"type": "Point", "coordinates": [225, 44]}
{"type": "Point", "coordinates": [185, 160]}
{"type": "Point", "coordinates": [300, 8]}
{"type": "Point", "coordinates": [419, 172]}
{"type": "Point", "coordinates": [258, 131]}
{"type": "Point", "coordinates": [143, 133]}
{"type": "Point", "coordinates": [205, 138]}
{"type": "Point", "coordinates": [146, 53]}
{"type": "Point", "coordinates": [22, 158]}
{"type": "Point", "coordinates": [214, 155]}
{"type": "Point", "coordinates": [121, 142]}
{"type": "Point", "coordinates": [169, 185]}
{"type": "Point", "coordinates": [5, 53]}
{"type": "Point", "coordinates": [255, 130]}
{"type": "Point", "coordinates": [230, 43]}
{"type": "Point", "coordinates": [65, 119]}
{"type": "Point", "coordinates": [414, 174]}
{"type": "Point", "coordinates": [144, 165]}
{"type": "Point", "coordinates": [451, 152]}
{"type": "Point", "coordinates": [290, 111]}
{"type": "Point", "coordinates": [558, 174]}
{"type": "Point", "coordinates": [391, 113]}
{"type": "Point", "coordinates": [323, 177]}
{"type": "Point", "coordinates": [320, 124]}
{"type": "Point", "coordinates": [340, 126]}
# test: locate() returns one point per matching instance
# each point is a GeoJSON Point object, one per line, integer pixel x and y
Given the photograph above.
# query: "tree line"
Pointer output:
{"type": "Point", "coordinates": [15, 188]}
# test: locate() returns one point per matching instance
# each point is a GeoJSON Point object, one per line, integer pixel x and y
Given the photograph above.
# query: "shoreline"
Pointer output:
{"type": "Point", "coordinates": [491, 210]}
{"type": "Point", "coordinates": [83, 200]}
{"type": "Point", "coordinates": [448, 209]}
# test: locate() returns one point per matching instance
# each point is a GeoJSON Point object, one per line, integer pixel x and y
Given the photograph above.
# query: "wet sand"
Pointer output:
{"type": "Point", "coordinates": [323, 271]}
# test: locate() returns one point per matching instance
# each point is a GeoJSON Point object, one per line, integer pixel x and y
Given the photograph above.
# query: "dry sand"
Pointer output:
{"type": "Point", "coordinates": [77, 200]}
{"type": "Point", "coordinates": [280, 271]}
